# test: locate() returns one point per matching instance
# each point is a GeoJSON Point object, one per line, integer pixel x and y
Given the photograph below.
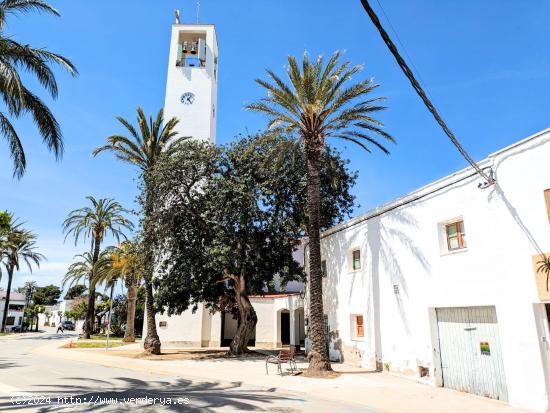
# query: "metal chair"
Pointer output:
{"type": "Point", "coordinates": [284, 356]}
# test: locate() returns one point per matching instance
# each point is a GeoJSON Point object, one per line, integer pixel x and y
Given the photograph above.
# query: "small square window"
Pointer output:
{"type": "Point", "coordinates": [547, 199]}
{"type": "Point", "coordinates": [456, 238]}
{"type": "Point", "coordinates": [356, 260]}
{"type": "Point", "coordinates": [324, 268]}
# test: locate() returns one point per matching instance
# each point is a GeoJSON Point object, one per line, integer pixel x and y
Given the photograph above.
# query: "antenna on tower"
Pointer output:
{"type": "Point", "coordinates": [198, 10]}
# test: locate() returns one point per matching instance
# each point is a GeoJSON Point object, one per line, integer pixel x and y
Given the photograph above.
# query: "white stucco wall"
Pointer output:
{"type": "Point", "coordinates": [184, 329]}
{"type": "Point", "coordinates": [198, 119]}
{"type": "Point", "coordinates": [504, 224]}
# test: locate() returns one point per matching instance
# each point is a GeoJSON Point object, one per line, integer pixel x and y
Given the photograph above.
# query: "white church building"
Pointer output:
{"type": "Point", "coordinates": [191, 96]}
{"type": "Point", "coordinates": [441, 284]}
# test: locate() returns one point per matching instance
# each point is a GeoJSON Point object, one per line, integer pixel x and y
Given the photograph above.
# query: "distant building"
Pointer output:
{"type": "Point", "coordinates": [16, 308]}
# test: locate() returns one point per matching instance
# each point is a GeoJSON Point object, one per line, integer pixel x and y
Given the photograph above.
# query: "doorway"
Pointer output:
{"type": "Point", "coordinates": [285, 327]}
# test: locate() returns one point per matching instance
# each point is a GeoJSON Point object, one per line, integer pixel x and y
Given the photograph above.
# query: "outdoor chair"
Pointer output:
{"type": "Point", "coordinates": [284, 357]}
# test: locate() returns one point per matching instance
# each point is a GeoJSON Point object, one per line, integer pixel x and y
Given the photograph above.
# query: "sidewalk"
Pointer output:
{"type": "Point", "coordinates": [376, 390]}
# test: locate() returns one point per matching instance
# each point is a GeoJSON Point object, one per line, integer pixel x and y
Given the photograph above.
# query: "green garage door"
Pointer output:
{"type": "Point", "coordinates": [471, 356]}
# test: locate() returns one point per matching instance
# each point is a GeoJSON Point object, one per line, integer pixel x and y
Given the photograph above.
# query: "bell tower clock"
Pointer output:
{"type": "Point", "coordinates": [192, 81]}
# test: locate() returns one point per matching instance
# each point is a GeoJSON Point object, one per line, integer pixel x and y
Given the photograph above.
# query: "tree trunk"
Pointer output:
{"type": "Point", "coordinates": [7, 304]}
{"type": "Point", "coordinates": [90, 311]}
{"type": "Point", "coordinates": [247, 318]}
{"type": "Point", "coordinates": [36, 327]}
{"type": "Point", "coordinates": [318, 356]}
{"type": "Point", "coordinates": [129, 332]}
{"type": "Point", "coordinates": [151, 343]}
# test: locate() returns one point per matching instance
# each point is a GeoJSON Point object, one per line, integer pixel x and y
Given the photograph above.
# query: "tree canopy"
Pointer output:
{"type": "Point", "coordinates": [47, 295]}
{"type": "Point", "coordinates": [228, 220]}
{"type": "Point", "coordinates": [75, 291]}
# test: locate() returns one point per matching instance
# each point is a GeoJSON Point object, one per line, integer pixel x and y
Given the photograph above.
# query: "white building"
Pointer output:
{"type": "Point", "coordinates": [441, 283]}
{"type": "Point", "coordinates": [192, 80]}
{"type": "Point", "coordinates": [191, 93]}
{"type": "Point", "coordinates": [15, 310]}
{"type": "Point", "coordinates": [280, 323]}
{"type": "Point", "coordinates": [55, 314]}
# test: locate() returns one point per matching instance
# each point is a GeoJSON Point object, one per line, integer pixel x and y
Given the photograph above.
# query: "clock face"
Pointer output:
{"type": "Point", "coordinates": [187, 98]}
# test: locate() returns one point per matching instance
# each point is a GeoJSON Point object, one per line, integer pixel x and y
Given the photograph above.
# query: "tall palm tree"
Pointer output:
{"type": "Point", "coordinates": [5, 226]}
{"type": "Point", "coordinates": [128, 265]}
{"type": "Point", "coordinates": [104, 216]}
{"type": "Point", "coordinates": [316, 105]}
{"type": "Point", "coordinates": [18, 99]}
{"type": "Point", "coordinates": [19, 248]}
{"type": "Point", "coordinates": [142, 148]}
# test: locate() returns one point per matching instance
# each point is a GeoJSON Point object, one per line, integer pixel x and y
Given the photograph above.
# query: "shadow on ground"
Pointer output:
{"type": "Point", "coordinates": [6, 364]}
{"type": "Point", "coordinates": [51, 336]}
{"type": "Point", "coordinates": [92, 395]}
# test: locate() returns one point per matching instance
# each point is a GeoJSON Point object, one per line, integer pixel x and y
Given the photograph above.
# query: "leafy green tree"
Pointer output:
{"type": "Point", "coordinates": [232, 224]}
{"type": "Point", "coordinates": [48, 295]}
{"type": "Point", "coordinates": [317, 104]}
{"type": "Point", "coordinates": [75, 291]}
{"type": "Point", "coordinates": [142, 147]}
{"type": "Point", "coordinates": [104, 216]}
{"type": "Point", "coordinates": [78, 310]}
{"type": "Point", "coordinates": [19, 247]}
{"type": "Point", "coordinates": [18, 99]}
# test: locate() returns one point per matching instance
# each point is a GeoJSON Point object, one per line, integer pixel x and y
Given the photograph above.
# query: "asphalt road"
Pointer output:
{"type": "Point", "coordinates": [36, 383]}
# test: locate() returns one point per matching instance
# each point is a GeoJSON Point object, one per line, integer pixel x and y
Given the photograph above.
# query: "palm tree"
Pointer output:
{"type": "Point", "coordinates": [19, 248]}
{"type": "Point", "coordinates": [17, 97]}
{"type": "Point", "coordinates": [103, 217]}
{"type": "Point", "coordinates": [143, 149]}
{"type": "Point", "coordinates": [128, 265]}
{"type": "Point", "coordinates": [84, 269]}
{"type": "Point", "coordinates": [316, 105]}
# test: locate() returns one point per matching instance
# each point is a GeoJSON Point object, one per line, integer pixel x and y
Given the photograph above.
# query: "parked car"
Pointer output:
{"type": "Point", "coordinates": [15, 329]}
{"type": "Point", "coordinates": [68, 325]}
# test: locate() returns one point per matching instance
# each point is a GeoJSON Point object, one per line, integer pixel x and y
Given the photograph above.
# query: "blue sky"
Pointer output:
{"type": "Point", "coordinates": [486, 66]}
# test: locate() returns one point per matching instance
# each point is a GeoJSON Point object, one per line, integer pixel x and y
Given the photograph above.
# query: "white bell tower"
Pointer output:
{"type": "Point", "coordinates": [192, 81]}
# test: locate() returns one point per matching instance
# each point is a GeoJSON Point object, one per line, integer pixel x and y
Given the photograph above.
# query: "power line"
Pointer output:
{"type": "Point", "coordinates": [410, 75]}
{"type": "Point", "coordinates": [401, 43]}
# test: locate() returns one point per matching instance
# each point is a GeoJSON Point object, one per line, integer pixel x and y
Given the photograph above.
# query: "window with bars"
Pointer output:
{"type": "Point", "coordinates": [456, 238]}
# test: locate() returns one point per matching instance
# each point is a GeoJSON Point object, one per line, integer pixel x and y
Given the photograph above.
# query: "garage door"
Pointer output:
{"type": "Point", "coordinates": [471, 356]}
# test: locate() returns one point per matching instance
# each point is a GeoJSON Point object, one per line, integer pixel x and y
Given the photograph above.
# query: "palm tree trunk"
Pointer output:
{"type": "Point", "coordinates": [318, 357]}
{"type": "Point", "coordinates": [90, 311]}
{"type": "Point", "coordinates": [129, 332]}
{"type": "Point", "coordinates": [247, 318]}
{"type": "Point", "coordinates": [151, 343]}
{"type": "Point", "coordinates": [7, 304]}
